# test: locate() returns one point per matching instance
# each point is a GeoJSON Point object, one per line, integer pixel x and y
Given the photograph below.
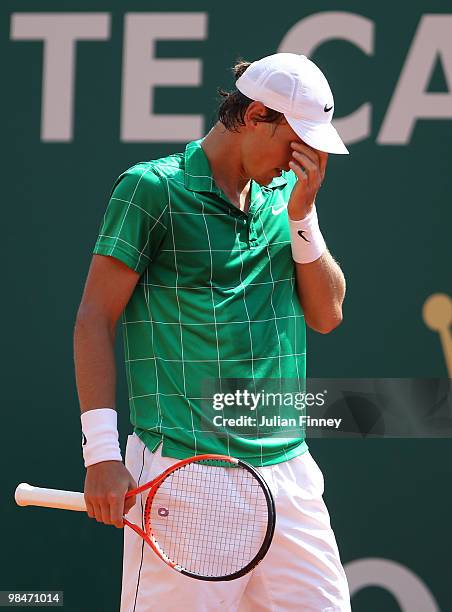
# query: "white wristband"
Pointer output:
{"type": "Point", "coordinates": [100, 436]}
{"type": "Point", "coordinates": [306, 238]}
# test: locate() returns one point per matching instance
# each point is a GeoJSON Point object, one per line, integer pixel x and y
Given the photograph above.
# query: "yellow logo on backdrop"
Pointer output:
{"type": "Point", "coordinates": [437, 315]}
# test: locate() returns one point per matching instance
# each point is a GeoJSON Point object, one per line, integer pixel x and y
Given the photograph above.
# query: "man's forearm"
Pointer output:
{"type": "Point", "coordinates": [321, 290]}
{"type": "Point", "coordinates": [94, 356]}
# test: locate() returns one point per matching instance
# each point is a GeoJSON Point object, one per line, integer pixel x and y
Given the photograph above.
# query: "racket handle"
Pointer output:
{"type": "Point", "coordinates": [27, 495]}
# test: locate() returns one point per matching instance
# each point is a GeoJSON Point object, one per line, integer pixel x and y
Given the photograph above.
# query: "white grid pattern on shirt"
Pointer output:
{"type": "Point", "coordinates": [195, 445]}
{"type": "Point", "coordinates": [146, 285]}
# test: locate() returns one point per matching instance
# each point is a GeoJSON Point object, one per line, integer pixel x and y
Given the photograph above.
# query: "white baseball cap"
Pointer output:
{"type": "Point", "coordinates": [293, 85]}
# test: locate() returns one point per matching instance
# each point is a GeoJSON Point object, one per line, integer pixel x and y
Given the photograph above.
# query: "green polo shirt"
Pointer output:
{"type": "Point", "coordinates": [216, 299]}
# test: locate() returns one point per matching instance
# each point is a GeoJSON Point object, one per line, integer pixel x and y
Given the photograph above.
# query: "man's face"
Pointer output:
{"type": "Point", "coordinates": [265, 147]}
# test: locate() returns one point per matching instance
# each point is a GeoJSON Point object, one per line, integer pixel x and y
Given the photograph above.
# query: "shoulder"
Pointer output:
{"type": "Point", "coordinates": [157, 169]}
{"type": "Point", "coordinates": [151, 172]}
{"type": "Point", "coordinates": [147, 178]}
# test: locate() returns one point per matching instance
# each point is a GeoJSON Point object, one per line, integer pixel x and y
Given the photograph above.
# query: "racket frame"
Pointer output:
{"type": "Point", "coordinates": [153, 486]}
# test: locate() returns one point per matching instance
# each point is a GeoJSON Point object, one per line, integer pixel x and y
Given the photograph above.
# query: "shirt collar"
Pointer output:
{"type": "Point", "coordinates": [198, 175]}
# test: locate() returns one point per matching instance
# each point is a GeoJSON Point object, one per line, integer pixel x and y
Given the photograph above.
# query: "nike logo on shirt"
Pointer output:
{"type": "Point", "coordinates": [278, 211]}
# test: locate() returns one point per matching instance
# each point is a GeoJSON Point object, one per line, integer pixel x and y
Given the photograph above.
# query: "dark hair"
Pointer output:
{"type": "Point", "coordinates": [233, 107]}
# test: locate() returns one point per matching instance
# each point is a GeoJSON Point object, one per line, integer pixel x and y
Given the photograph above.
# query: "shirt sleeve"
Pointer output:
{"type": "Point", "coordinates": [134, 224]}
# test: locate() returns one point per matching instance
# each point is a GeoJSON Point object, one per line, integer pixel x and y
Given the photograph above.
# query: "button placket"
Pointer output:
{"type": "Point", "coordinates": [252, 234]}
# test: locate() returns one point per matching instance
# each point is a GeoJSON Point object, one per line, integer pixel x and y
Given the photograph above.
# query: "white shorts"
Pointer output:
{"type": "Point", "coordinates": [302, 570]}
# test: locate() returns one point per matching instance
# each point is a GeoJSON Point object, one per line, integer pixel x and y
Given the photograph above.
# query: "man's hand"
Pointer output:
{"type": "Point", "coordinates": [106, 485]}
{"type": "Point", "coordinates": [309, 165]}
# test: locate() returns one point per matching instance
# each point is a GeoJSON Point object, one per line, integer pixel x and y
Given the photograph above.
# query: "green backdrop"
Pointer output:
{"type": "Point", "coordinates": [385, 211]}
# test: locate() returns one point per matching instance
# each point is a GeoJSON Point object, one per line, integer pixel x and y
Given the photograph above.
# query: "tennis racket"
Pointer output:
{"type": "Point", "coordinates": [210, 517]}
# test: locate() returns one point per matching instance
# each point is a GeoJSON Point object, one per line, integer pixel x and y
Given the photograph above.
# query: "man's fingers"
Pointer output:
{"type": "Point", "coordinates": [308, 170]}
{"type": "Point", "coordinates": [108, 511]}
{"type": "Point", "coordinates": [105, 512]}
{"type": "Point", "coordinates": [303, 159]}
{"type": "Point", "coordinates": [101, 508]}
{"type": "Point", "coordinates": [97, 512]}
{"type": "Point", "coordinates": [89, 509]}
{"type": "Point", "coordinates": [93, 509]}
{"type": "Point", "coordinates": [318, 158]}
{"type": "Point", "coordinates": [300, 173]}
{"type": "Point", "coordinates": [305, 149]}
{"type": "Point", "coordinates": [106, 484]}
{"type": "Point", "coordinates": [129, 503]}
{"type": "Point", "coordinates": [116, 512]}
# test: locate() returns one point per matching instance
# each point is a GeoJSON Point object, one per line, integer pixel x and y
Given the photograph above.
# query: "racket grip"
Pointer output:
{"type": "Point", "coordinates": [27, 495]}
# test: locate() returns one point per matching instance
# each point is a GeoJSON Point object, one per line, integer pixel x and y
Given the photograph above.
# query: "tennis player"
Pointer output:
{"type": "Point", "coordinates": [215, 261]}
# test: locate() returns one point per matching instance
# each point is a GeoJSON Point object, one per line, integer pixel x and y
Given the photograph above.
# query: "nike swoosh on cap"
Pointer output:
{"type": "Point", "coordinates": [326, 109]}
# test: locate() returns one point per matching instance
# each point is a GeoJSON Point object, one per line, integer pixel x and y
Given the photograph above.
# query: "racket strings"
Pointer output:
{"type": "Point", "coordinates": [210, 520]}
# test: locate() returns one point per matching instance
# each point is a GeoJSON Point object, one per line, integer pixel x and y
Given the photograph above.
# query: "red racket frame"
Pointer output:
{"type": "Point", "coordinates": [153, 486]}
